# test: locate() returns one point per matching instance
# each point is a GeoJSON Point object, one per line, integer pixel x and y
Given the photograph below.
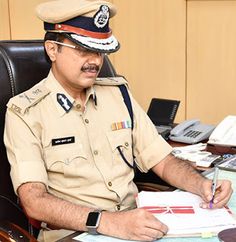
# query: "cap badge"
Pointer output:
{"type": "Point", "coordinates": [64, 102]}
{"type": "Point", "coordinates": [102, 16]}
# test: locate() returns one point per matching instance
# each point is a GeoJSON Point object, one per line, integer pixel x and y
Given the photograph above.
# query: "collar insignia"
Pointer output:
{"type": "Point", "coordinates": [101, 18]}
{"type": "Point", "coordinates": [95, 99]}
{"type": "Point", "coordinates": [64, 102]}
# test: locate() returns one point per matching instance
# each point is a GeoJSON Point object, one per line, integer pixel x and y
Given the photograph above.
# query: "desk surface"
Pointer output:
{"type": "Point", "coordinates": [232, 204]}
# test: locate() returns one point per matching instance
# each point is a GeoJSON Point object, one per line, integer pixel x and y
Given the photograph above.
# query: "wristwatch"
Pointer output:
{"type": "Point", "coordinates": [93, 221]}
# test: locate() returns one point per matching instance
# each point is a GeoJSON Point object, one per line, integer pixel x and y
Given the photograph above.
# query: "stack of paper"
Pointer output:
{"type": "Point", "coordinates": [180, 211]}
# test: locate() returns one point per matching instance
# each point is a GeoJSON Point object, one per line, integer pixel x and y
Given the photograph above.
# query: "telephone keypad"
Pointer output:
{"type": "Point", "coordinates": [192, 133]}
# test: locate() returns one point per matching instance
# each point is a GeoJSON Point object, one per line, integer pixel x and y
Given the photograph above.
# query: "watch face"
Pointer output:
{"type": "Point", "coordinates": [93, 219]}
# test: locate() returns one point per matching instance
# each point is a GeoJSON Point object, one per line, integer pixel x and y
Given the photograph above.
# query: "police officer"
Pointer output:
{"type": "Point", "coordinates": [70, 139]}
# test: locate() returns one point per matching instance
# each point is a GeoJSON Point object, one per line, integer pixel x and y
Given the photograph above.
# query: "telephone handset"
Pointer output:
{"type": "Point", "coordinates": [191, 131]}
{"type": "Point", "coordinates": [225, 132]}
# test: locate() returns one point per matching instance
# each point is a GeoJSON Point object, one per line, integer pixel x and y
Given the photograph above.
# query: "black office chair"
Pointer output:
{"type": "Point", "coordinates": [22, 64]}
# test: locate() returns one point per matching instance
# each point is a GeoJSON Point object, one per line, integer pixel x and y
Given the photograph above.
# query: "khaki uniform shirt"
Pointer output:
{"type": "Point", "coordinates": [74, 153]}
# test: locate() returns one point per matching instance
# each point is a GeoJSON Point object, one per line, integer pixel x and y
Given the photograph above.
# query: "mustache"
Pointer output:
{"type": "Point", "coordinates": [90, 68]}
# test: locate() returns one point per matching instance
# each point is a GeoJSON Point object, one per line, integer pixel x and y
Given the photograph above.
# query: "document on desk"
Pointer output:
{"type": "Point", "coordinates": [85, 237]}
{"type": "Point", "coordinates": [180, 211]}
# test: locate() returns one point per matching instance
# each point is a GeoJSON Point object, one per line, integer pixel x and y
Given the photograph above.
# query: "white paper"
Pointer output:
{"type": "Point", "coordinates": [180, 211]}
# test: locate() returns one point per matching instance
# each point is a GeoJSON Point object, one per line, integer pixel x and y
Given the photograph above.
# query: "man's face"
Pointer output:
{"type": "Point", "coordinates": [75, 68]}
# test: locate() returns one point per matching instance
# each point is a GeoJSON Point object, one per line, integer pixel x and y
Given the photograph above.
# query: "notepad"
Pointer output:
{"type": "Point", "coordinates": [180, 211]}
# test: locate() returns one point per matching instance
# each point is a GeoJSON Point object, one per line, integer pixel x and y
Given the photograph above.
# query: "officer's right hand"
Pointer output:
{"type": "Point", "coordinates": [137, 224]}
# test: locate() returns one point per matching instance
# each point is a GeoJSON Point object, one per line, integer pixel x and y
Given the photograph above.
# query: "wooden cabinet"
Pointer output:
{"type": "Point", "coordinates": [4, 20]}
{"type": "Point", "coordinates": [24, 23]}
{"type": "Point", "coordinates": [211, 59]}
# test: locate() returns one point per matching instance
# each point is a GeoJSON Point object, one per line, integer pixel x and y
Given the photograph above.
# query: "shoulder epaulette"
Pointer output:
{"type": "Point", "coordinates": [22, 102]}
{"type": "Point", "coordinates": [111, 81]}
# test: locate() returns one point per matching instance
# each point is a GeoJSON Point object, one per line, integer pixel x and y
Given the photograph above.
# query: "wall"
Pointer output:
{"type": "Point", "coordinates": [152, 55]}
{"type": "Point", "coordinates": [19, 20]}
{"type": "Point", "coordinates": [211, 59]}
{"type": "Point", "coordinates": [176, 49]}
{"type": "Point", "coordinates": [4, 20]}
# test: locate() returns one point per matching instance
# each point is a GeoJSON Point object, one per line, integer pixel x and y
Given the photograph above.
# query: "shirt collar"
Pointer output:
{"type": "Point", "coordinates": [61, 99]}
{"type": "Point", "coordinates": [91, 93]}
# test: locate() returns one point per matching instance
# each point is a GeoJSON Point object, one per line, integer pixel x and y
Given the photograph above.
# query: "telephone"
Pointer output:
{"type": "Point", "coordinates": [225, 132]}
{"type": "Point", "coordinates": [191, 132]}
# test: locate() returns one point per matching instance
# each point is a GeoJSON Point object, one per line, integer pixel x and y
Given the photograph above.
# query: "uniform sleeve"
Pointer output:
{"type": "Point", "coordinates": [24, 151]}
{"type": "Point", "coordinates": [149, 147]}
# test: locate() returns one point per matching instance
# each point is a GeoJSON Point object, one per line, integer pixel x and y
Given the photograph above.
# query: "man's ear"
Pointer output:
{"type": "Point", "coordinates": [51, 49]}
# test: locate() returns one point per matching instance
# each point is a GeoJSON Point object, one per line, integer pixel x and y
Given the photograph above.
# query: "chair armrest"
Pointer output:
{"type": "Point", "coordinates": [147, 186]}
{"type": "Point", "coordinates": [12, 232]}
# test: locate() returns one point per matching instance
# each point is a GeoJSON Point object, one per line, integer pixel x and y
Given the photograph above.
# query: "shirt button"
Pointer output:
{"type": "Point", "coordinates": [78, 106]}
{"type": "Point", "coordinates": [109, 184]}
{"type": "Point", "coordinates": [118, 207]}
{"type": "Point", "coordinates": [95, 152]}
{"type": "Point", "coordinates": [126, 144]}
{"type": "Point", "coordinates": [86, 121]}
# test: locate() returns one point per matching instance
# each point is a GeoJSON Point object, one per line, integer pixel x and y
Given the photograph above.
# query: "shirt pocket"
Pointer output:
{"type": "Point", "coordinates": [121, 146]}
{"type": "Point", "coordinates": [65, 159]}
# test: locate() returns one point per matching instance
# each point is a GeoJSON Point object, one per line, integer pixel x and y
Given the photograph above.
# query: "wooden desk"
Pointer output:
{"type": "Point", "coordinates": [220, 150]}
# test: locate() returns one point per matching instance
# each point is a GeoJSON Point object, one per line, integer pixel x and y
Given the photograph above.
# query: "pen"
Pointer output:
{"type": "Point", "coordinates": [214, 183]}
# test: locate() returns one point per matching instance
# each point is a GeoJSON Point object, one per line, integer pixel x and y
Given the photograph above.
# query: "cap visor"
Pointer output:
{"type": "Point", "coordinates": [108, 45]}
